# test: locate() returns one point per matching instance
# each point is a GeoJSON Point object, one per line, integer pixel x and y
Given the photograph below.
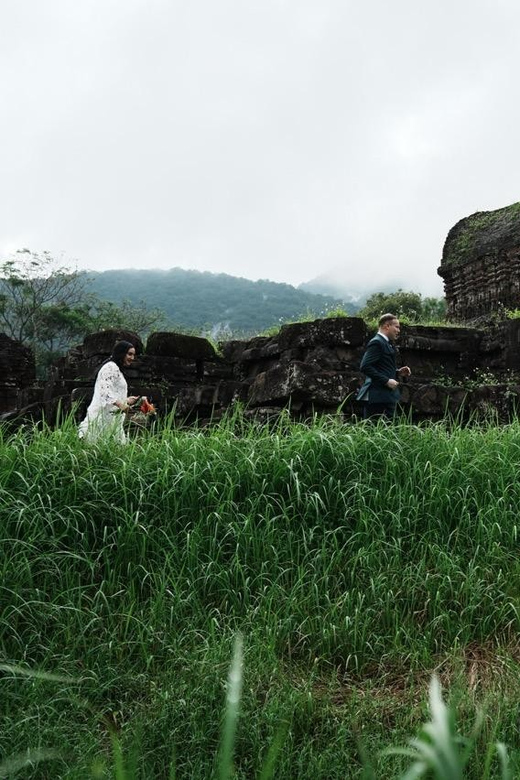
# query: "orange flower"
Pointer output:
{"type": "Point", "coordinates": [147, 407]}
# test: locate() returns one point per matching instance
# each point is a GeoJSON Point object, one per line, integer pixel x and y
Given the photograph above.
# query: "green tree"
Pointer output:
{"type": "Point", "coordinates": [406, 305]}
{"type": "Point", "coordinates": [49, 307]}
{"type": "Point", "coordinates": [99, 314]}
{"type": "Point", "coordinates": [202, 301]}
{"type": "Point", "coordinates": [434, 309]}
{"type": "Point", "coordinates": [31, 287]}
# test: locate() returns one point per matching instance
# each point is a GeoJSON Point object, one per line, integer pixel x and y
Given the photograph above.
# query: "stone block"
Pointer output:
{"type": "Point", "coordinates": [17, 364]}
{"type": "Point", "coordinates": [232, 351]}
{"type": "Point", "coordinates": [432, 351]}
{"type": "Point", "coordinates": [218, 370]}
{"type": "Point", "coordinates": [17, 372]}
{"type": "Point", "coordinates": [268, 351]}
{"type": "Point", "coordinates": [179, 345]}
{"type": "Point", "coordinates": [337, 358]}
{"type": "Point", "coordinates": [9, 397]}
{"type": "Point", "coordinates": [298, 381]}
{"type": "Point", "coordinates": [511, 348]}
{"type": "Point", "coordinates": [500, 402]}
{"type": "Point", "coordinates": [439, 339]}
{"type": "Point", "coordinates": [103, 342]}
{"type": "Point", "coordinates": [333, 331]}
{"type": "Point", "coordinates": [435, 400]}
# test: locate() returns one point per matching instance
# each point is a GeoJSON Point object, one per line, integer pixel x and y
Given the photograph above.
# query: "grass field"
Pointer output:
{"type": "Point", "coordinates": [353, 561]}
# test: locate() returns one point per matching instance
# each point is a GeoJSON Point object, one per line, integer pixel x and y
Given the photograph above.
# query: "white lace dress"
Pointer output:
{"type": "Point", "coordinates": [103, 418]}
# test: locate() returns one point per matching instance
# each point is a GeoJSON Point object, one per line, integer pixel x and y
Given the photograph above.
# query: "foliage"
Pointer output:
{"type": "Point", "coordinates": [433, 309]}
{"type": "Point", "coordinates": [337, 311]}
{"type": "Point", "coordinates": [354, 560]}
{"type": "Point", "coordinates": [409, 306]}
{"type": "Point", "coordinates": [440, 753]}
{"type": "Point", "coordinates": [100, 314]}
{"type": "Point", "coordinates": [480, 377]}
{"type": "Point", "coordinates": [462, 242]}
{"type": "Point", "coordinates": [49, 306]}
{"type": "Point", "coordinates": [307, 316]}
{"type": "Point", "coordinates": [470, 237]}
{"type": "Point", "coordinates": [34, 289]}
{"type": "Point", "coordinates": [224, 306]}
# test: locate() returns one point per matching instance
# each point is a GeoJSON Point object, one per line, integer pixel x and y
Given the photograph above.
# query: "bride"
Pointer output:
{"type": "Point", "coordinates": [105, 413]}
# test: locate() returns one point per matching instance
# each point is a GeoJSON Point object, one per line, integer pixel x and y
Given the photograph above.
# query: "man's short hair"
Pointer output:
{"type": "Point", "coordinates": [387, 318]}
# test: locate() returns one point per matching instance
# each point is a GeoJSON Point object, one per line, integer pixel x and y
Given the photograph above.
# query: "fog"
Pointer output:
{"type": "Point", "coordinates": [276, 139]}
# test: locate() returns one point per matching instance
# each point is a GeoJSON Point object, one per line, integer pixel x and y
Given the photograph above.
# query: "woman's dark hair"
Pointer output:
{"type": "Point", "coordinates": [119, 351]}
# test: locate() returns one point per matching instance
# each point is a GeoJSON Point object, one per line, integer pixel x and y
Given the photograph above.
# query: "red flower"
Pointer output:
{"type": "Point", "coordinates": [147, 407]}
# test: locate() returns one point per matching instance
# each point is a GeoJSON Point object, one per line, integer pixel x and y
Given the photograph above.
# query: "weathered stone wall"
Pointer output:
{"type": "Point", "coordinates": [306, 367]}
{"type": "Point", "coordinates": [310, 365]}
{"type": "Point", "coordinates": [17, 374]}
{"type": "Point", "coordinates": [314, 366]}
{"type": "Point", "coordinates": [481, 264]}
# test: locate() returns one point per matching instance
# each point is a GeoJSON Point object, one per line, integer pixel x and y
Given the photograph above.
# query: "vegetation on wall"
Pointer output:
{"type": "Point", "coordinates": [480, 234]}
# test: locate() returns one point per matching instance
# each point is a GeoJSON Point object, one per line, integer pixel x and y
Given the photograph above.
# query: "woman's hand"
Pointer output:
{"type": "Point", "coordinates": [125, 405]}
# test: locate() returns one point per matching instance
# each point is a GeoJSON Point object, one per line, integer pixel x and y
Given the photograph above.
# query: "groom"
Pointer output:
{"type": "Point", "coordinates": [380, 392]}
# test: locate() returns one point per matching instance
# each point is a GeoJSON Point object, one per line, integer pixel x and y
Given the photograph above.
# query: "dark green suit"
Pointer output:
{"type": "Point", "coordinates": [378, 365]}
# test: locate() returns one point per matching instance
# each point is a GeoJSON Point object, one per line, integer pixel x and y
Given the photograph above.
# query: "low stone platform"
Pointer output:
{"type": "Point", "coordinates": [307, 367]}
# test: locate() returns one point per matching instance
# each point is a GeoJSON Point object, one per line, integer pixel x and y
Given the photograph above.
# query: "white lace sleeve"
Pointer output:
{"type": "Point", "coordinates": [111, 385]}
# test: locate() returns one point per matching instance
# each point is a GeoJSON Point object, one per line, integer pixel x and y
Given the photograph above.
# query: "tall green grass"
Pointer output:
{"type": "Point", "coordinates": [354, 560]}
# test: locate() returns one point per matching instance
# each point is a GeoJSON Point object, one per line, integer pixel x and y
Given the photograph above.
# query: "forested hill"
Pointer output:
{"type": "Point", "coordinates": [214, 302]}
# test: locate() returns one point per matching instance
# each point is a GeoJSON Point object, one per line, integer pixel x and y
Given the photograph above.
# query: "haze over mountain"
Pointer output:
{"type": "Point", "coordinates": [219, 304]}
{"type": "Point", "coordinates": [338, 286]}
{"type": "Point", "coordinates": [276, 139]}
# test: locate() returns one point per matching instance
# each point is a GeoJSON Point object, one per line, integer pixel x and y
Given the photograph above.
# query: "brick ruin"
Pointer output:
{"type": "Point", "coordinates": [313, 367]}
{"type": "Point", "coordinates": [481, 264]}
{"type": "Point", "coordinates": [308, 367]}
{"type": "Point", "coordinates": [17, 374]}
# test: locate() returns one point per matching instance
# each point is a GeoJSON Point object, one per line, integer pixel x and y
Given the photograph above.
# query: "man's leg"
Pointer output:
{"type": "Point", "coordinates": [377, 410]}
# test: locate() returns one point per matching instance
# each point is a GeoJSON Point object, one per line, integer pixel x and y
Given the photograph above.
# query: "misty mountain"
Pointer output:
{"type": "Point", "coordinates": [326, 284]}
{"type": "Point", "coordinates": [218, 304]}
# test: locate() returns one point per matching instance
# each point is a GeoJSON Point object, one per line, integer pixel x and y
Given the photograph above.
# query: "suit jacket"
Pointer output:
{"type": "Point", "coordinates": [378, 365]}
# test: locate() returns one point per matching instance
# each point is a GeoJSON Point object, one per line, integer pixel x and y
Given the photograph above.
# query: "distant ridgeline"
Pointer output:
{"type": "Point", "coordinates": [217, 303]}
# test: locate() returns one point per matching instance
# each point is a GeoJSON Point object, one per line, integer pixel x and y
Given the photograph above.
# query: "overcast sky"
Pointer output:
{"type": "Point", "coordinates": [275, 139]}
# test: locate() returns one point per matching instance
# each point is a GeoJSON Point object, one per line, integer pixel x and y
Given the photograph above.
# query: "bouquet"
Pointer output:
{"type": "Point", "coordinates": [142, 413]}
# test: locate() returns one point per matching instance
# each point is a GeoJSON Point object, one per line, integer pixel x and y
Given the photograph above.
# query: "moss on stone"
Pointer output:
{"type": "Point", "coordinates": [482, 233]}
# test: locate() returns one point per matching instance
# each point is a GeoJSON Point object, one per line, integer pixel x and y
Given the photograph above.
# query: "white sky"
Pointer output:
{"type": "Point", "coordinates": [279, 139]}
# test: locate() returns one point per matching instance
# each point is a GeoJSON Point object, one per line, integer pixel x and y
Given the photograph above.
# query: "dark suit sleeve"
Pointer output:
{"type": "Point", "coordinates": [371, 359]}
